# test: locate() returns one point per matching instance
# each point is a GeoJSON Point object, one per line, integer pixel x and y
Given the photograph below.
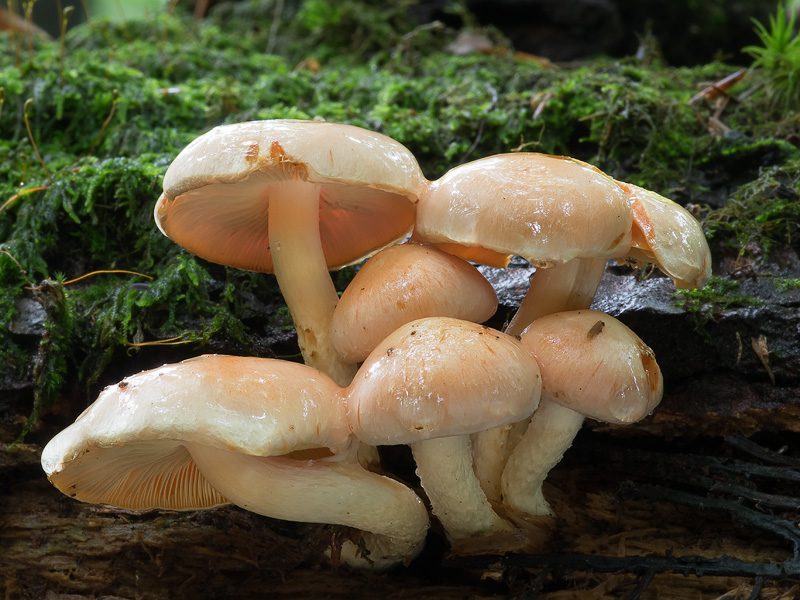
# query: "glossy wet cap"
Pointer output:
{"type": "Point", "coordinates": [127, 448]}
{"type": "Point", "coordinates": [547, 209]}
{"type": "Point", "coordinates": [593, 364]}
{"type": "Point", "coordinates": [441, 377]}
{"type": "Point", "coordinates": [216, 191]}
{"type": "Point", "coordinates": [668, 235]}
{"type": "Point", "coordinates": [403, 283]}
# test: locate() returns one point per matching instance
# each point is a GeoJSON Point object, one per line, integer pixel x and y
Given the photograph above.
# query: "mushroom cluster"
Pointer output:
{"type": "Point", "coordinates": [403, 357]}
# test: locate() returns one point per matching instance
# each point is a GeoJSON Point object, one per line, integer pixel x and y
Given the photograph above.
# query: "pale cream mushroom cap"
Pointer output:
{"type": "Point", "coordinates": [440, 377]}
{"type": "Point", "coordinates": [267, 435]}
{"type": "Point", "coordinates": [431, 383]}
{"type": "Point", "coordinates": [668, 235]}
{"type": "Point", "coordinates": [401, 284]}
{"type": "Point", "coordinates": [594, 365]}
{"type": "Point", "coordinates": [547, 209]}
{"type": "Point", "coordinates": [128, 447]}
{"type": "Point", "coordinates": [217, 190]}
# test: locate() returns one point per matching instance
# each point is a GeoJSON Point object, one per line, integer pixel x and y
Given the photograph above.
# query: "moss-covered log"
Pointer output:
{"type": "Point", "coordinates": [84, 142]}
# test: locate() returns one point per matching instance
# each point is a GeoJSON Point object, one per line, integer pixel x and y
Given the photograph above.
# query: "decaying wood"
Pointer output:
{"type": "Point", "coordinates": [682, 505]}
{"type": "Point", "coordinates": [618, 532]}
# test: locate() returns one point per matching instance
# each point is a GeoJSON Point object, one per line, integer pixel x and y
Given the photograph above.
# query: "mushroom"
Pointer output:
{"type": "Point", "coordinates": [403, 283]}
{"type": "Point", "coordinates": [293, 198]}
{"type": "Point", "coordinates": [396, 286]}
{"type": "Point", "coordinates": [592, 366]}
{"type": "Point", "coordinates": [563, 216]}
{"type": "Point", "coordinates": [430, 384]}
{"type": "Point", "coordinates": [268, 435]}
{"type": "Point", "coordinates": [663, 233]}
{"type": "Point", "coordinates": [566, 217]}
{"type": "Point", "coordinates": [550, 210]}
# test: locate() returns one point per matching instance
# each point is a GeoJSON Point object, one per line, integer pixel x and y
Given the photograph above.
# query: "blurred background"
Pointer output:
{"type": "Point", "coordinates": [689, 32]}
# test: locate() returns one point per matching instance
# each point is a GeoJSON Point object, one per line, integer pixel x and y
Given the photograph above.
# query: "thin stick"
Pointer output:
{"type": "Point", "coordinates": [110, 116]}
{"type": "Point", "coordinates": [21, 270]}
{"type": "Point", "coordinates": [16, 36]}
{"type": "Point", "coordinates": [19, 195]}
{"type": "Point", "coordinates": [28, 102]}
{"type": "Point", "coordinates": [63, 17]}
{"type": "Point", "coordinates": [173, 341]}
{"type": "Point", "coordinates": [700, 566]}
{"type": "Point", "coordinates": [124, 21]}
{"type": "Point", "coordinates": [106, 271]}
{"type": "Point", "coordinates": [273, 29]}
{"type": "Point", "coordinates": [29, 21]}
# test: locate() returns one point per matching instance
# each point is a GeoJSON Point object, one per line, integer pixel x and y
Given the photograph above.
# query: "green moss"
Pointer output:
{"type": "Point", "coordinates": [54, 356]}
{"type": "Point", "coordinates": [719, 294]}
{"type": "Point", "coordinates": [128, 97]}
{"type": "Point", "coordinates": [14, 356]}
{"type": "Point", "coordinates": [762, 214]}
{"type": "Point", "coordinates": [783, 284]}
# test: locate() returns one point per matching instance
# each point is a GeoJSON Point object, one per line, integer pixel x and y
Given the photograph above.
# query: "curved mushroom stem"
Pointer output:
{"type": "Point", "coordinates": [444, 466]}
{"type": "Point", "coordinates": [302, 274]}
{"type": "Point", "coordinates": [393, 518]}
{"type": "Point", "coordinates": [570, 286]}
{"type": "Point", "coordinates": [490, 451]}
{"type": "Point", "coordinates": [549, 435]}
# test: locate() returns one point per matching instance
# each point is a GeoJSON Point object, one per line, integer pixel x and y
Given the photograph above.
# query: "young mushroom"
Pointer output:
{"type": "Point", "coordinates": [592, 366]}
{"type": "Point", "coordinates": [293, 198]}
{"type": "Point", "coordinates": [396, 286]}
{"type": "Point", "coordinates": [268, 435]}
{"type": "Point", "coordinates": [430, 384]}
{"type": "Point", "coordinates": [403, 283]}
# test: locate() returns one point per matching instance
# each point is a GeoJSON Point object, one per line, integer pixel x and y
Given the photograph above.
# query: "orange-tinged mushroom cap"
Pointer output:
{"type": "Point", "coordinates": [217, 190]}
{"type": "Point", "coordinates": [594, 365]}
{"type": "Point", "coordinates": [547, 209]}
{"type": "Point", "coordinates": [668, 235]}
{"type": "Point", "coordinates": [403, 283]}
{"type": "Point", "coordinates": [439, 377]}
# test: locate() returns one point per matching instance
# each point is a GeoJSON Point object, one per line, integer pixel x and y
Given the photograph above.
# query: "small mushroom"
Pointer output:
{"type": "Point", "coordinates": [268, 435]}
{"type": "Point", "coordinates": [430, 384]}
{"type": "Point", "coordinates": [403, 283]}
{"type": "Point", "coordinates": [592, 366]}
{"type": "Point", "coordinates": [396, 286]}
{"type": "Point", "coordinates": [293, 198]}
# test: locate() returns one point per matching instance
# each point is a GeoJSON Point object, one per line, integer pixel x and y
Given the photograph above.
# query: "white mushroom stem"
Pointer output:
{"type": "Point", "coordinates": [549, 435]}
{"type": "Point", "coordinates": [444, 466]}
{"type": "Point", "coordinates": [392, 517]}
{"type": "Point", "coordinates": [490, 451]}
{"type": "Point", "coordinates": [302, 274]}
{"type": "Point", "coordinates": [570, 286]}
